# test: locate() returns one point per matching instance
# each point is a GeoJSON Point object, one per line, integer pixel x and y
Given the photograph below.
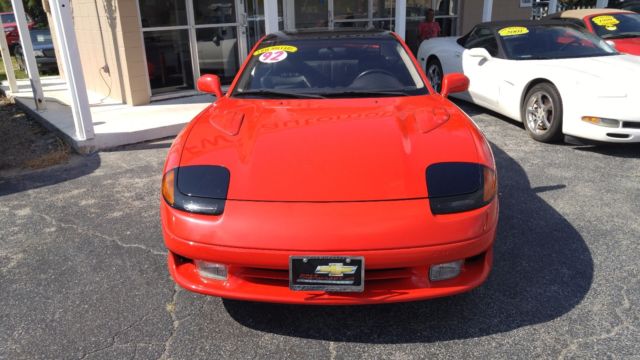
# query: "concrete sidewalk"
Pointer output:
{"type": "Point", "coordinates": [114, 123]}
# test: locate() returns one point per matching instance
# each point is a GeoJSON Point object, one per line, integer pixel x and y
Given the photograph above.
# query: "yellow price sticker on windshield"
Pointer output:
{"type": "Point", "coordinates": [606, 21]}
{"type": "Point", "coordinates": [287, 48]}
{"type": "Point", "coordinates": [513, 30]}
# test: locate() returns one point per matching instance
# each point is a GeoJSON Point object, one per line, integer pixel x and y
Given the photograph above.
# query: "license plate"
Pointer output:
{"type": "Point", "coordinates": [326, 273]}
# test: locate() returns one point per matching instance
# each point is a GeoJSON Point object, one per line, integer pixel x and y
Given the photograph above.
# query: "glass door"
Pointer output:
{"type": "Point", "coordinates": [302, 14]}
{"type": "Point", "coordinates": [186, 38]}
{"type": "Point", "coordinates": [215, 32]}
{"type": "Point", "coordinates": [351, 13]}
{"type": "Point", "coordinates": [166, 40]}
{"type": "Point", "coordinates": [445, 14]}
{"type": "Point", "coordinates": [383, 14]}
{"type": "Point", "coordinates": [255, 20]}
{"type": "Point", "coordinates": [307, 14]}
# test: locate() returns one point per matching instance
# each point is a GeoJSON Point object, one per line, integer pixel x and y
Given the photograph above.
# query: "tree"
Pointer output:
{"type": "Point", "coordinates": [32, 7]}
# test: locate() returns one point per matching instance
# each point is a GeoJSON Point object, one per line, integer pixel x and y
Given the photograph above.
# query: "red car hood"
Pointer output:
{"type": "Point", "coordinates": [628, 46]}
{"type": "Point", "coordinates": [329, 150]}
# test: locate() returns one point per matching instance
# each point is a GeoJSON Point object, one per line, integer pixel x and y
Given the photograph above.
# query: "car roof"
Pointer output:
{"type": "Point", "coordinates": [330, 34]}
{"type": "Point", "coordinates": [497, 25]}
{"type": "Point", "coordinates": [582, 13]}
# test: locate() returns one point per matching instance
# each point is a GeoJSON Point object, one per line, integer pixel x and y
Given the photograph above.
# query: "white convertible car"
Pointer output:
{"type": "Point", "coordinates": [551, 76]}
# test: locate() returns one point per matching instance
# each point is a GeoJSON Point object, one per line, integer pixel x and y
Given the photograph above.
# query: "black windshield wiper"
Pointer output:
{"type": "Point", "coordinates": [534, 57]}
{"type": "Point", "coordinates": [276, 94]}
{"type": "Point", "coordinates": [621, 36]}
{"type": "Point", "coordinates": [363, 93]}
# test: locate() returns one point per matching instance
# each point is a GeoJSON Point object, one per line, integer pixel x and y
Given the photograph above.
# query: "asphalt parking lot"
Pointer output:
{"type": "Point", "coordinates": [82, 270]}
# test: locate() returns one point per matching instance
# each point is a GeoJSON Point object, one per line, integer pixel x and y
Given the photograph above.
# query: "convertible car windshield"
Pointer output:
{"type": "Point", "coordinates": [330, 68]}
{"type": "Point", "coordinates": [616, 26]}
{"type": "Point", "coordinates": [551, 42]}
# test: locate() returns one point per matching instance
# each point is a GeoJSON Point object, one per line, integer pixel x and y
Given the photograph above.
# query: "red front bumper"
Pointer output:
{"type": "Point", "coordinates": [392, 275]}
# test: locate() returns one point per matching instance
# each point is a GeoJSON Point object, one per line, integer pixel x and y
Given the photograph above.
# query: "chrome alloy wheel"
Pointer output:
{"type": "Point", "coordinates": [539, 112]}
{"type": "Point", "coordinates": [434, 74]}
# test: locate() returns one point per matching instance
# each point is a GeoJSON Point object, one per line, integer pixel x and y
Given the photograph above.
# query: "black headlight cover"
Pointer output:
{"type": "Point", "coordinates": [459, 186]}
{"type": "Point", "coordinates": [201, 189]}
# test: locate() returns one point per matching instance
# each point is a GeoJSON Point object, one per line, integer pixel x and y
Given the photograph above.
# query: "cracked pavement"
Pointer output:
{"type": "Point", "coordinates": [83, 270]}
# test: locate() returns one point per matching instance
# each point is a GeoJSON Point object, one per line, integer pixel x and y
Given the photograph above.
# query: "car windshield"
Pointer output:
{"type": "Point", "coordinates": [40, 37]}
{"type": "Point", "coordinates": [616, 26]}
{"type": "Point", "coordinates": [551, 42]}
{"type": "Point", "coordinates": [331, 68]}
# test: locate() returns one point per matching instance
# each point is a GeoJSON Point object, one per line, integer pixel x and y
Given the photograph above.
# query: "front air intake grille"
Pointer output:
{"type": "Point", "coordinates": [282, 276]}
{"type": "Point", "coordinates": [631, 125]}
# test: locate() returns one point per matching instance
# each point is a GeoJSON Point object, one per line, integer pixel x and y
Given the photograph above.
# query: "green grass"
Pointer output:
{"type": "Point", "coordinates": [19, 73]}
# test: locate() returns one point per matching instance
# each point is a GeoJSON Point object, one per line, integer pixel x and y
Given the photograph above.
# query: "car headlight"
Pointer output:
{"type": "Point", "coordinates": [198, 189]}
{"type": "Point", "coordinates": [8, 29]}
{"type": "Point", "coordinates": [611, 123]}
{"type": "Point", "coordinates": [459, 186]}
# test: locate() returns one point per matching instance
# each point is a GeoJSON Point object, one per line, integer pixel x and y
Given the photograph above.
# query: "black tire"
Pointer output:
{"type": "Point", "coordinates": [541, 113]}
{"type": "Point", "coordinates": [434, 69]}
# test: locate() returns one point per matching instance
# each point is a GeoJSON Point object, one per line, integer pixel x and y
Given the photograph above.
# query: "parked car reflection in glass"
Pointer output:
{"type": "Point", "coordinates": [218, 51]}
{"type": "Point", "coordinates": [43, 51]}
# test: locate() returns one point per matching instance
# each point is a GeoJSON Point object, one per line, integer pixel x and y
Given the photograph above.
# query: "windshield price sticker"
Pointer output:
{"type": "Point", "coordinates": [273, 56]}
{"type": "Point", "coordinates": [513, 31]}
{"type": "Point", "coordinates": [607, 21]}
{"type": "Point", "coordinates": [287, 48]}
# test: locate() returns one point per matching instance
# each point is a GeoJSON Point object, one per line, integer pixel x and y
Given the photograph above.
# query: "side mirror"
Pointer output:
{"type": "Point", "coordinates": [479, 53]}
{"type": "Point", "coordinates": [454, 83]}
{"type": "Point", "coordinates": [210, 84]}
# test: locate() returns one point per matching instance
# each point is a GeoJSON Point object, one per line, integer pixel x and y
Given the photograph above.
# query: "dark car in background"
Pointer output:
{"type": "Point", "coordinates": [11, 29]}
{"type": "Point", "coordinates": [43, 51]}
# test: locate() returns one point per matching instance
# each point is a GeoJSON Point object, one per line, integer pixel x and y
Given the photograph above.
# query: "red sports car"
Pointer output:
{"type": "Point", "coordinates": [11, 28]}
{"type": "Point", "coordinates": [330, 173]}
{"type": "Point", "coordinates": [622, 27]}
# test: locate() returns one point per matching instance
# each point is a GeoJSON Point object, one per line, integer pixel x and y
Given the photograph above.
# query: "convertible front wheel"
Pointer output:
{"type": "Point", "coordinates": [434, 74]}
{"type": "Point", "coordinates": [542, 113]}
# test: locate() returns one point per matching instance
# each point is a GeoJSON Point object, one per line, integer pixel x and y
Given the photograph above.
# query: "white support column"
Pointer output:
{"type": "Point", "coordinates": [330, 15]}
{"type": "Point", "coordinates": [270, 16]}
{"type": "Point", "coordinates": [27, 51]}
{"type": "Point", "coordinates": [553, 7]}
{"type": "Point", "coordinates": [61, 12]}
{"type": "Point", "coordinates": [602, 3]}
{"type": "Point", "coordinates": [289, 13]}
{"type": "Point", "coordinates": [6, 60]}
{"type": "Point", "coordinates": [487, 10]}
{"type": "Point", "coordinates": [401, 18]}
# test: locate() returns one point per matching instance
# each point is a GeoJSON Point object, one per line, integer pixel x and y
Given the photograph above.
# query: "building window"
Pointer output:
{"type": "Point", "coordinates": [167, 45]}
{"type": "Point", "coordinates": [184, 39]}
{"type": "Point", "coordinates": [161, 13]}
{"type": "Point", "coordinates": [218, 51]}
{"type": "Point", "coordinates": [446, 15]}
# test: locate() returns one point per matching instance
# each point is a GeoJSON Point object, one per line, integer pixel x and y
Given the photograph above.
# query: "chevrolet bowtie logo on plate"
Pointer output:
{"type": "Point", "coordinates": [336, 269]}
{"type": "Point", "coordinates": [326, 273]}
